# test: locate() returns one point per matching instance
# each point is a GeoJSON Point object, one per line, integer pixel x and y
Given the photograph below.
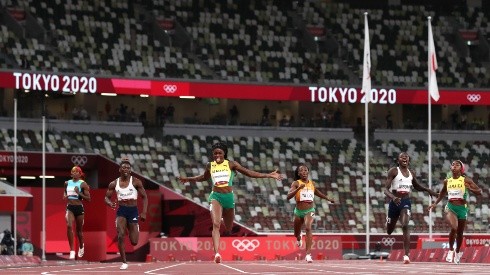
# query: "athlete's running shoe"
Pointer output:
{"type": "Point", "coordinates": [81, 251]}
{"type": "Point", "coordinates": [457, 257]}
{"type": "Point", "coordinates": [72, 255]}
{"type": "Point", "coordinates": [217, 258]}
{"type": "Point", "coordinates": [300, 242]}
{"type": "Point", "coordinates": [450, 256]}
{"type": "Point", "coordinates": [308, 258]}
{"type": "Point", "coordinates": [406, 259]}
{"type": "Point", "coordinates": [123, 266]}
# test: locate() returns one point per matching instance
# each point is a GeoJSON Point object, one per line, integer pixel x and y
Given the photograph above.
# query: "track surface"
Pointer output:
{"type": "Point", "coordinates": [263, 267]}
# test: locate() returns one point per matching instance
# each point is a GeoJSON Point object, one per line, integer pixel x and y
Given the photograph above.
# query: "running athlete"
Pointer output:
{"type": "Point", "coordinates": [222, 172]}
{"type": "Point", "coordinates": [76, 189]}
{"type": "Point", "coordinates": [127, 189]}
{"type": "Point", "coordinates": [456, 188]}
{"type": "Point", "coordinates": [398, 186]}
{"type": "Point", "coordinates": [304, 192]}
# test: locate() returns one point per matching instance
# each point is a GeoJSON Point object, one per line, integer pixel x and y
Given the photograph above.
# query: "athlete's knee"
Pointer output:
{"type": "Point", "coordinates": [120, 237]}
{"type": "Point", "coordinates": [307, 229]}
{"type": "Point", "coordinates": [228, 227]}
{"type": "Point", "coordinates": [216, 224]}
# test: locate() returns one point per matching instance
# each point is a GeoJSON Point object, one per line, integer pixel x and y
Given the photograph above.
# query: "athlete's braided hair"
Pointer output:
{"type": "Point", "coordinates": [296, 171]}
{"type": "Point", "coordinates": [222, 146]}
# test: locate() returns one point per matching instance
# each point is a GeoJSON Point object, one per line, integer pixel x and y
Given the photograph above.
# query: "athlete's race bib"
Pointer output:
{"type": "Point", "coordinates": [306, 195]}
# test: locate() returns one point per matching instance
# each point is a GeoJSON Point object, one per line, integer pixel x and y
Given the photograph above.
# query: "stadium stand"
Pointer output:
{"type": "Point", "coordinates": [337, 167]}
{"type": "Point", "coordinates": [398, 37]}
{"type": "Point", "coordinates": [264, 41]}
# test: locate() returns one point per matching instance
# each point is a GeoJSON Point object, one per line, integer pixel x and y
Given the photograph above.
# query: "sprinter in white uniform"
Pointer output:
{"type": "Point", "coordinates": [127, 189]}
{"type": "Point", "coordinates": [398, 186]}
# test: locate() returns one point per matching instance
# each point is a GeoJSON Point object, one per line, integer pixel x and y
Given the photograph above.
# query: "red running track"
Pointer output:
{"type": "Point", "coordinates": [364, 267]}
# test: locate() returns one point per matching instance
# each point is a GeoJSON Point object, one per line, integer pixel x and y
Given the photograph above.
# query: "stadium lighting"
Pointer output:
{"type": "Point", "coordinates": [3, 178]}
{"type": "Point", "coordinates": [109, 94]}
{"type": "Point", "coordinates": [144, 95]}
{"type": "Point", "coordinates": [27, 177]}
{"type": "Point", "coordinates": [187, 97]}
{"type": "Point", "coordinates": [46, 177]}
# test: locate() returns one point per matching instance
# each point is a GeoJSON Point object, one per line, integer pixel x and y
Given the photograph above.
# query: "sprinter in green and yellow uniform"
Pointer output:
{"type": "Point", "coordinates": [456, 188]}
{"type": "Point", "coordinates": [222, 171]}
{"type": "Point", "coordinates": [304, 192]}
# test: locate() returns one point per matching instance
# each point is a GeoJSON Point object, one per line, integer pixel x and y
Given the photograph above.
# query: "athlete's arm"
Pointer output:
{"type": "Point", "coordinates": [142, 192]}
{"type": "Point", "coordinates": [391, 175]}
{"type": "Point", "coordinates": [420, 187]}
{"type": "Point", "coordinates": [323, 196]}
{"type": "Point", "coordinates": [65, 195]}
{"type": "Point", "coordinates": [295, 187]}
{"type": "Point", "coordinates": [442, 194]}
{"type": "Point", "coordinates": [86, 191]}
{"type": "Point", "coordinates": [254, 174]}
{"type": "Point", "coordinates": [203, 177]}
{"type": "Point", "coordinates": [471, 185]}
{"type": "Point", "coordinates": [108, 195]}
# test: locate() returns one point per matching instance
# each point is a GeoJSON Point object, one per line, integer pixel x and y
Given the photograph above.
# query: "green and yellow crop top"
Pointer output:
{"type": "Point", "coordinates": [456, 190]}
{"type": "Point", "coordinates": [221, 174]}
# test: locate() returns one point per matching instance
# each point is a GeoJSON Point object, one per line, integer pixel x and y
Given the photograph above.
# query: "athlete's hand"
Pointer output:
{"type": "Point", "coordinates": [77, 190]}
{"type": "Point", "coordinates": [143, 216]}
{"type": "Point", "coordinates": [432, 206]}
{"type": "Point", "coordinates": [301, 186]}
{"type": "Point", "coordinates": [112, 204]}
{"type": "Point", "coordinates": [184, 180]}
{"type": "Point", "coordinates": [276, 175]}
{"type": "Point", "coordinates": [397, 200]}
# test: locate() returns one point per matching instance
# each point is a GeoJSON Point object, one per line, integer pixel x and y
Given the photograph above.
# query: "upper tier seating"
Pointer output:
{"type": "Point", "coordinates": [261, 41]}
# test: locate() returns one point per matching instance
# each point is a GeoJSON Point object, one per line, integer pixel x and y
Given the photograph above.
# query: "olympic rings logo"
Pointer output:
{"type": "Point", "coordinates": [473, 97]}
{"type": "Point", "coordinates": [242, 245]}
{"type": "Point", "coordinates": [79, 160]}
{"type": "Point", "coordinates": [388, 241]}
{"type": "Point", "coordinates": [170, 89]}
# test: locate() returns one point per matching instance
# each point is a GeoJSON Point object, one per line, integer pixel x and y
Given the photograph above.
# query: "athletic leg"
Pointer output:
{"type": "Point", "coordinates": [216, 215]}
{"type": "Point", "coordinates": [392, 218]}
{"type": "Point", "coordinates": [404, 219]}
{"type": "Point", "coordinates": [298, 222]}
{"type": "Point", "coordinates": [228, 218]}
{"type": "Point", "coordinates": [453, 222]}
{"type": "Point", "coordinates": [121, 226]}
{"type": "Point", "coordinates": [79, 220]}
{"type": "Point", "coordinates": [309, 235]}
{"type": "Point", "coordinates": [69, 228]}
{"type": "Point", "coordinates": [134, 233]}
{"type": "Point", "coordinates": [459, 237]}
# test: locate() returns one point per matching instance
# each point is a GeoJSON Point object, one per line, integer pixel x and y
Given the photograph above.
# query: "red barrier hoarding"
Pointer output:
{"type": "Point", "coordinates": [32, 160]}
{"type": "Point", "coordinates": [244, 248]}
{"type": "Point", "coordinates": [97, 85]}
